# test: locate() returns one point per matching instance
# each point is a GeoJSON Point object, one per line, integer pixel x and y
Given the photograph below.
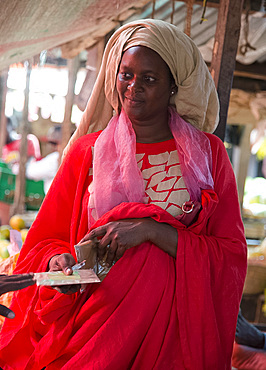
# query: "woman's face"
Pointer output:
{"type": "Point", "coordinates": [144, 84]}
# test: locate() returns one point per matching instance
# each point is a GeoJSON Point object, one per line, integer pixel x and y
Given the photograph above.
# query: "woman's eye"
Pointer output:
{"type": "Point", "coordinates": [149, 79]}
{"type": "Point", "coordinates": [125, 75]}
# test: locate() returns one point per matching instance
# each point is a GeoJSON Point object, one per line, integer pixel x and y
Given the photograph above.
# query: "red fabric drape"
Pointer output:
{"type": "Point", "coordinates": [151, 311]}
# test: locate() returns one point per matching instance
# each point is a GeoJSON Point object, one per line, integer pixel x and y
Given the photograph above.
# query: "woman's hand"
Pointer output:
{"type": "Point", "coordinates": [64, 262]}
{"type": "Point", "coordinates": [10, 283]}
{"type": "Point", "coordinates": [118, 236]}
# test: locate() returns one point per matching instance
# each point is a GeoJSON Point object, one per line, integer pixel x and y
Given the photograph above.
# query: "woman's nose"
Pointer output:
{"type": "Point", "coordinates": [134, 84]}
{"type": "Point", "coordinates": [131, 84]}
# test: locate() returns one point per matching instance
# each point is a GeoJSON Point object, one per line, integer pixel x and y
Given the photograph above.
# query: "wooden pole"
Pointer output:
{"type": "Point", "coordinates": [189, 17]}
{"type": "Point", "coordinates": [243, 163]}
{"type": "Point", "coordinates": [93, 64]}
{"type": "Point", "coordinates": [19, 196]}
{"type": "Point", "coordinates": [3, 120]}
{"type": "Point", "coordinates": [73, 67]}
{"type": "Point", "coordinates": [224, 55]}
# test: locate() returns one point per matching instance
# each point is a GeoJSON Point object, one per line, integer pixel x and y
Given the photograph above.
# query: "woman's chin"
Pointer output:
{"type": "Point", "coordinates": [135, 115]}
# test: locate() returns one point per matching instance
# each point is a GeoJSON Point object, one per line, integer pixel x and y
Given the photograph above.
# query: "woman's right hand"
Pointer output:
{"type": "Point", "coordinates": [64, 262]}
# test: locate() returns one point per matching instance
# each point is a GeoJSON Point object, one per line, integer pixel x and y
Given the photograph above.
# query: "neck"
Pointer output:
{"type": "Point", "coordinates": [146, 138]}
{"type": "Point", "coordinates": [152, 131]}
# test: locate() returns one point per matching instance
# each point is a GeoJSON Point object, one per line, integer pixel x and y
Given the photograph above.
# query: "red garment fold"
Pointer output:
{"type": "Point", "coordinates": [152, 310]}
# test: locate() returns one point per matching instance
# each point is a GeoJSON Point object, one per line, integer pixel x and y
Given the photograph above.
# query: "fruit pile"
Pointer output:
{"type": "Point", "coordinates": [16, 223]}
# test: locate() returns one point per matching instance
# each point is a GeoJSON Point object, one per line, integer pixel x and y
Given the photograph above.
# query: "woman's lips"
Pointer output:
{"type": "Point", "coordinates": [134, 100]}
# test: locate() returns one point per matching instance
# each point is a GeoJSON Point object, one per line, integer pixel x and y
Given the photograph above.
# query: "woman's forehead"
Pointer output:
{"type": "Point", "coordinates": [141, 50]}
{"type": "Point", "coordinates": [144, 57]}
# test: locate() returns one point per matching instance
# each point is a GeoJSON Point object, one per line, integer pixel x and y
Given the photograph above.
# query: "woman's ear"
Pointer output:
{"type": "Point", "coordinates": [174, 89]}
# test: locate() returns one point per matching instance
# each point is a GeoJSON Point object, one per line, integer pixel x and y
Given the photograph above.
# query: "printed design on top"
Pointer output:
{"type": "Point", "coordinates": [164, 184]}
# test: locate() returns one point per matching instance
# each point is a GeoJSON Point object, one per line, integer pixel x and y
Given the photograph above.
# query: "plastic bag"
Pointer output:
{"type": "Point", "coordinates": [88, 251]}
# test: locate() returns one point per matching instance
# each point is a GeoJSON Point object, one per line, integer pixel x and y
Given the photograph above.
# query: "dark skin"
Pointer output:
{"type": "Point", "coordinates": [64, 262]}
{"type": "Point", "coordinates": [145, 85]}
{"type": "Point", "coordinates": [10, 283]}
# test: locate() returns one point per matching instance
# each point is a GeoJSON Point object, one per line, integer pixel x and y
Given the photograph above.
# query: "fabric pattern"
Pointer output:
{"type": "Point", "coordinates": [164, 184]}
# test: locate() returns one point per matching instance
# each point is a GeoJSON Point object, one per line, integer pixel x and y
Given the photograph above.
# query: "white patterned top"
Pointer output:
{"type": "Point", "coordinates": [164, 184]}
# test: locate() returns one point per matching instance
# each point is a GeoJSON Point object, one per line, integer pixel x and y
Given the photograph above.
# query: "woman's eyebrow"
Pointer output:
{"type": "Point", "coordinates": [145, 71]}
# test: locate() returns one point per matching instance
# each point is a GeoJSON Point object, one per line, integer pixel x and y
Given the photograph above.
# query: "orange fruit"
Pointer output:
{"type": "Point", "coordinates": [17, 223]}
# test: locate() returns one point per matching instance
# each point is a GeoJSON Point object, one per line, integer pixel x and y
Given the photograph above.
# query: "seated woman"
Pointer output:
{"type": "Point", "coordinates": [170, 300]}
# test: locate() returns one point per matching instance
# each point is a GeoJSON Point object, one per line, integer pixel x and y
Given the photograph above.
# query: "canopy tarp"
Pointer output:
{"type": "Point", "coordinates": [28, 26]}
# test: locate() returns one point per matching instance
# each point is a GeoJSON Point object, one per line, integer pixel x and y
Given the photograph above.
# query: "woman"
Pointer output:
{"type": "Point", "coordinates": [172, 297]}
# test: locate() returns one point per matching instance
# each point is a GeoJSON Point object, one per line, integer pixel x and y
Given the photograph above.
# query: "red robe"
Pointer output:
{"type": "Point", "coordinates": [152, 310]}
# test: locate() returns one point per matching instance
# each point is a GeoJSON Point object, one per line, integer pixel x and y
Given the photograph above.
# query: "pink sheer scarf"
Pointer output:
{"type": "Point", "coordinates": [195, 155]}
{"type": "Point", "coordinates": [116, 176]}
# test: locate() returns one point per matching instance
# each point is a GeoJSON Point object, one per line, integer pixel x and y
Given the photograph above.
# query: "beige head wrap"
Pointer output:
{"type": "Point", "coordinates": [196, 100]}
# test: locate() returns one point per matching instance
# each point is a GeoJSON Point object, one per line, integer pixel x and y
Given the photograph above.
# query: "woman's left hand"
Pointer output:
{"type": "Point", "coordinates": [63, 262]}
{"type": "Point", "coordinates": [118, 236]}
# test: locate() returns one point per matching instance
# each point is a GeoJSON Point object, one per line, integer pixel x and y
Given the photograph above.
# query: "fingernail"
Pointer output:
{"type": "Point", "coordinates": [11, 315]}
{"type": "Point", "coordinates": [68, 270]}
